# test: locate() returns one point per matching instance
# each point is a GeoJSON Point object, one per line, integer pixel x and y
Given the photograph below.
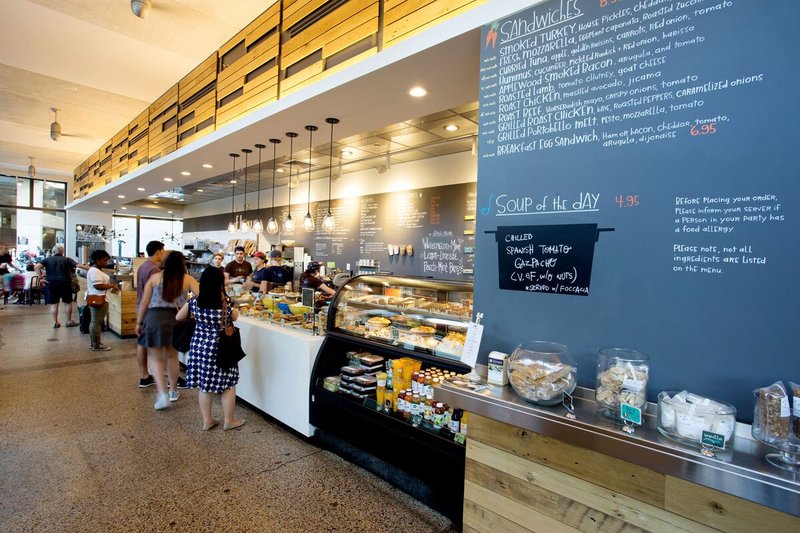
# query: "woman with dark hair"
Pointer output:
{"type": "Point", "coordinates": [201, 364]}
{"type": "Point", "coordinates": [165, 292]}
{"type": "Point", "coordinates": [97, 284]}
{"type": "Point", "coordinates": [310, 280]}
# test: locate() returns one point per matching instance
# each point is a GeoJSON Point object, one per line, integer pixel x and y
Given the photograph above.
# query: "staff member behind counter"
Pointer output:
{"type": "Point", "coordinates": [311, 279]}
{"type": "Point", "coordinates": [266, 278]}
{"type": "Point", "coordinates": [238, 270]}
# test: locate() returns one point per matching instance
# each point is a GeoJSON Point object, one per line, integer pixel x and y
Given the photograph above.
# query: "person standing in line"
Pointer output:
{"type": "Point", "coordinates": [97, 284]}
{"type": "Point", "coordinates": [57, 282]}
{"type": "Point", "coordinates": [164, 292]}
{"type": "Point", "coordinates": [201, 364]}
{"type": "Point", "coordinates": [238, 270]}
{"type": "Point", "coordinates": [155, 252]}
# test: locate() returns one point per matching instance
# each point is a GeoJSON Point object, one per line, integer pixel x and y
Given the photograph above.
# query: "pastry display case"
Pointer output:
{"type": "Point", "coordinates": [390, 340]}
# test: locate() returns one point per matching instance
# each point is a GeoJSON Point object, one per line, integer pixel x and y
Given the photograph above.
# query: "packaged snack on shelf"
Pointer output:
{"type": "Point", "coordinates": [686, 416]}
{"type": "Point", "coordinates": [772, 416]}
{"type": "Point", "coordinates": [795, 408]}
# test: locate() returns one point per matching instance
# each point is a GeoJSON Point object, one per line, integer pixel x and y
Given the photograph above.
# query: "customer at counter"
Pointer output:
{"type": "Point", "coordinates": [310, 279]}
{"type": "Point", "coordinates": [216, 261]}
{"type": "Point", "coordinates": [97, 284]}
{"type": "Point", "coordinates": [238, 270]}
{"type": "Point", "coordinates": [155, 252]}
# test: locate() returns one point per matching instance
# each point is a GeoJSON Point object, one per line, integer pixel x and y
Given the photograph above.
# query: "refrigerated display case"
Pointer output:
{"type": "Point", "coordinates": [419, 321]}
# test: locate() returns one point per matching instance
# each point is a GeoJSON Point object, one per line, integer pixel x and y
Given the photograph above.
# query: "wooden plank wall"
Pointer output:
{"type": "Point", "coordinates": [119, 154]}
{"type": "Point", "coordinates": [350, 29]}
{"type": "Point", "coordinates": [197, 101]}
{"type": "Point", "coordinates": [248, 67]}
{"type": "Point", "coordinates": [103, 175]}
{"type": "Point", "coordinates": [519, 481]}
{"type": "Point", "coordinates": [405, 18]}
{"type": "Point", "coordinates": [138, 140]}
{"type": "Point", "coordinates": [162, 135]}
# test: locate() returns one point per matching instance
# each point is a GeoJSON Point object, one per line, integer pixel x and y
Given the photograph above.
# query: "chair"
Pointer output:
{"type": "Point", "coordinates": [34, 292]}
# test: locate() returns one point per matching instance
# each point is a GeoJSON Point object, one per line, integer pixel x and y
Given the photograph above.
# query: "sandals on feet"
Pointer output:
{"type": "Point", "coordinates": [56, 325]}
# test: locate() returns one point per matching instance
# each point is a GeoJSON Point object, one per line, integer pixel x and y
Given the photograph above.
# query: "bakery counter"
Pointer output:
{"type": "Point", "coordinates": [275, 375]}
{"type": "Point", "coordinates": [531, 468]}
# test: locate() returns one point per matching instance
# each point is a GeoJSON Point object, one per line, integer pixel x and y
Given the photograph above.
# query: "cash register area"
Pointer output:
{"type": "Point", "coordinates": [83, 450]}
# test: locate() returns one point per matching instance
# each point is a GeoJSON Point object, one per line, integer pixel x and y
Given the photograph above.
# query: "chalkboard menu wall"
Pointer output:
{"type": "Point", "coordinates": [669, 127]}
{"type": "Point", "coordinates": [429, 231]}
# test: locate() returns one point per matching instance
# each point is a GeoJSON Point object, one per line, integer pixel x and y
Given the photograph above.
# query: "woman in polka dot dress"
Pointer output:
{"type": "Point", "coordinates": [201, 364]}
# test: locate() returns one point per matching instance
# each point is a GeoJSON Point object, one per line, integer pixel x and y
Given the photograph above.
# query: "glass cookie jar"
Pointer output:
{"type": "Point", "coordinates": [622, 376]}
{"type": "Point", "coordinates": [541, 372]}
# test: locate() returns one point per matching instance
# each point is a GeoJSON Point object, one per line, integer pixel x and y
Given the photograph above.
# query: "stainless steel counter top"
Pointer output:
{"type": "Point", "coordinates": [740, 471]}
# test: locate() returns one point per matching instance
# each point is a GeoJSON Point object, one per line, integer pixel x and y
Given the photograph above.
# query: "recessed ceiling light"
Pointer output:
{"type": "Point", "coordinates": [105, 201]}
{"type": "Point", "coordinates": [123, 208]}
{"type": "Point", "coordinates": [281, 171]}
{"type": "Point", "coordinates": [155, 201]}
{"type": "Point", "coordinates": [167, 179]}
{"type": "Point", "coordinates": [121, 196]}
{"type": "Point", "coordinates": [418, 92]}
{"type": "Point", "coordinates": [347, 153]}
{"type": "Point", "coordinates": [199, 190]}
{"type": "Point", "coordinates": [208, 165]}
{"type": "Point", "coordinates": [451, 127]}
{"type": "Point", "coordinates": [140, 188]}
{"type": "Point", "coordinates": [234, 182]}
{"type": "Point", "coordinates": [170, 212]}
{"type": "Point", "coordinates": [186, 173]}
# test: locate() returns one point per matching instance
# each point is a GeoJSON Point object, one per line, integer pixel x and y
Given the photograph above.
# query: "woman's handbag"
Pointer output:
{"type": "Point", "coordinates": [76, 286]}
{"type": "Point", "coordinates": [182, 333]}
{"type": "Point", "coordinates": [95, 300]}
{"type": "Point", "coordinates": [229, 350]}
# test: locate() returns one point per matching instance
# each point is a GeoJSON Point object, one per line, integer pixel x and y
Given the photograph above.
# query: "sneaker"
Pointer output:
{"type": "Point", "coordinates": [181, 383]}
{"type": "Point", "coordinates": [146, 382]}
{"type": "Point", "coordinates": [174, 395]}
{"type": "Point", "coordinates": [100, 348]}
{"type": "Point", "coordinates": [162, 402]}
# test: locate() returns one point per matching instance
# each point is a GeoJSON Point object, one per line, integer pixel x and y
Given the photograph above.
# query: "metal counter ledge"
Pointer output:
{"type": "Point", "coordinates": [741, 471]}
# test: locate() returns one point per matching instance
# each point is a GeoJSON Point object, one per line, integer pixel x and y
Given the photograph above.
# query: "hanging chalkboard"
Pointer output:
{"type": "Point", "coordinates": [673, 123]}
{"type": "Point", "coordinates": [553, 259]}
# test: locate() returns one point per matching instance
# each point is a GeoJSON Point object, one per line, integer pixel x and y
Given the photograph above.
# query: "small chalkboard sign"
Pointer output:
{"type": "Point", "coordinates": [308, 297]}
{"type": "Point", "coordinates": [554, 259]}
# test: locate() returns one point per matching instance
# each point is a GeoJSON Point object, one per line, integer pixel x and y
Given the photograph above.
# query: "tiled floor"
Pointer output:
{"type": "Point", "coordinates": [81, 449]}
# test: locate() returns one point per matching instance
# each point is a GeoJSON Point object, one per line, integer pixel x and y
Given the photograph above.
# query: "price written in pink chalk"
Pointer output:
{"type": "Point", "coordinates": [703, 129]}
{"type": "Point", "coordinates": [624, 201]}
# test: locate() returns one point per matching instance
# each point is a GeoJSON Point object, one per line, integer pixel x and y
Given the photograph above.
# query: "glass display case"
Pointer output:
{"type": "Point", "coordinates": [420, 315]}
{"type": "Point", "coordinates": [389, 341]}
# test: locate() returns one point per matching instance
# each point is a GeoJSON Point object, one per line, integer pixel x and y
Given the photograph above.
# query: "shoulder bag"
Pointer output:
{"type": "Point", "coordinates": [182, 333]}
{"type": "Point", "coordinates": [94, 300]}
{"type": "Point", "coordinates": [73, 278]}
{"type": "Point", "coordinates": [229, 350]}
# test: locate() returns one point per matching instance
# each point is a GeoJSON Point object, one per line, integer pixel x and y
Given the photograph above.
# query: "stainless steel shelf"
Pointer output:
{"type": "Point", "coordinates": [740, 471]}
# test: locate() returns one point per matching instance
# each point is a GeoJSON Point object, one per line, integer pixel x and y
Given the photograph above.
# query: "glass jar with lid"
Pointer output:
{"type": "Point", "coordinates": [622, 377]}
{"type": "Point", "coordinates": [541, 372]}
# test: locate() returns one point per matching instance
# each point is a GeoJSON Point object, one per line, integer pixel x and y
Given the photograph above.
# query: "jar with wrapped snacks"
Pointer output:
{"type": "Point", "coordinates": [622, 377]}
{"type": "Point", "coordinates": [773, 424]}
{"type": "Point", "coordinates": [685, 416]}
{"type": "Point", "coordinates": [541, 372]}
{"type": "Point", "coordinates": [795, 409]}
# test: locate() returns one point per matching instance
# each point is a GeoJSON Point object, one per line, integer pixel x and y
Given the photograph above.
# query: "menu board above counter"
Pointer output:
{"type": "Point", "coordinates": [666, 122]}
{"type": "Point", "coordinates": [419, 232]}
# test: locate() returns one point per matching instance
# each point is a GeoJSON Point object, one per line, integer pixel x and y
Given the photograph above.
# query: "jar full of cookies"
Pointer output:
{"type": "Point", "coordinates": [622, 377]}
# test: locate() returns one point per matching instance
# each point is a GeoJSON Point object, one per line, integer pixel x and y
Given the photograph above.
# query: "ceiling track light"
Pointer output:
{"type": "Point", "coordinates": [232, 223]}
{"type": "Point", "coordinates": [308, 221]}
{"type": "Point", "coordinates": [141, 8]}
{"type": "Point", "coordinates": [329, 223]}
{"type": "Point", "coordinates": [272, 224]}
{"type": "Point", "coordinates": [288, 224]}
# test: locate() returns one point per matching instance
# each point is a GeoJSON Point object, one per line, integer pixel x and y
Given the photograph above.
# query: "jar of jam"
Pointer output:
{"type": "Point", "coordinates": [427, 409]}
{"type": "Point", "coordinates": [407, 397]}
{"type": "Point", "coordinates": [438, 415]}
{"type": "Point", "coordinates": [415, 404]}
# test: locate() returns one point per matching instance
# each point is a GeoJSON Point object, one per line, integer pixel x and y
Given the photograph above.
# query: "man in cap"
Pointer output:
{"type": "Point", "coordinates": [259, 274]}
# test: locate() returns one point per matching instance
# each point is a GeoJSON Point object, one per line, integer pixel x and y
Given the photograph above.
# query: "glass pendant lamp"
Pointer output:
{"type": "Point", "coordinates": [258, 227]}
{"type": "Point", "coordinates": [272, 224]}
{"type": "Point", "coordinates": [329, 223]}
{"type": "Point", "coordinates": [244, 224]}
{"type": "Point", "coordinates": [288, 224]}
{"type": "Point", "coordinates": [308, 221]}
{"type": "Point", "coordinates": [232, 223]}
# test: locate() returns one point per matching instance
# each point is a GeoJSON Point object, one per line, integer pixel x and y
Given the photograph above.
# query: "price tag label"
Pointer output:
{"type": "Point", "coordinates": [472, 344]}
{"type": "Point", "coordinates": [713, 439]}
{"type": "Point", "coordinates": [631, 414]}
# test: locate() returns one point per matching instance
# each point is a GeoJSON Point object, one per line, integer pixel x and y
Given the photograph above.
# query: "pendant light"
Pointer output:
{"type": "Point", "coordinates": [258, 227]}
{"type": "Point", "coordinates": [288, 224]}
{"type": "Point", "coordinates": [244, 225]}
{"type": "Point", "coordinates": [328, 222]}
{"type": "Point", "coordinates": [232, 223]}
{"type": "Point", "coordinates": [272, 224]}
{"type": "Point", "coordinates": [308, 221]}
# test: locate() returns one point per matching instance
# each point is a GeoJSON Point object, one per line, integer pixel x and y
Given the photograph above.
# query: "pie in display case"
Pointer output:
{"type": "Point", "coordinates": [421, 315]}
{"type": "Point", "coordinates": [381, 331]}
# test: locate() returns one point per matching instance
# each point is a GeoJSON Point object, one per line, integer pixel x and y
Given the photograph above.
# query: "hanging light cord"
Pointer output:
{"type": "Point", "coordinates": [331, 121]}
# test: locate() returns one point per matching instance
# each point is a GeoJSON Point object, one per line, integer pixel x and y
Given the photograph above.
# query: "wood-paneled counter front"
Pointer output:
{"type": "Point", "coordinates": [526, 472]}
{"type": "Point", "coordinates": [121, 309]}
